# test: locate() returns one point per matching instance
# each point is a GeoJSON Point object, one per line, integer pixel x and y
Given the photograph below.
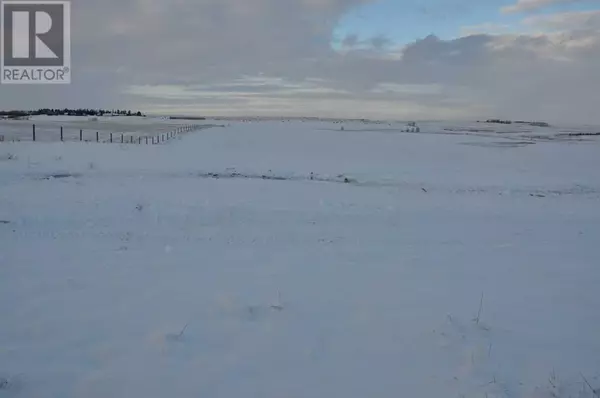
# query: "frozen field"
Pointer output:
{"type": "Point", "coordinates": [48, 128]}
{"type": "Point", "coordinates": [291, 259]}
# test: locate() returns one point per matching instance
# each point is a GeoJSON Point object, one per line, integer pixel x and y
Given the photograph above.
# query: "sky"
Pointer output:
{"type": "Point", "coordinates": [378, 59]}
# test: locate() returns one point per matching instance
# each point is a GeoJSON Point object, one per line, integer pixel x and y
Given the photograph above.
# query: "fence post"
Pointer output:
{"type": "Point", "coordinates": [97, 137]}
{"type": "Point", "coordinates": [139, 140]}
{"type": "Point", "coordinates": [146, 140]}
{"type": "Point", "coordinates": [34, 132]}
{"type": "Point", "coordinates": [61, 134]}
{"type": "Point", "coordinates": [80, 135]}
{"type": "Point", "coordinates": [131, 140]}
{"type": "Point", "coordinates": [111, 138]}
{"type": "Point", "coordinates": [121, 138]}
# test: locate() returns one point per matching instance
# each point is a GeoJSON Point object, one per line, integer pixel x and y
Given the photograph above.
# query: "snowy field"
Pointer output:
{"type": "Point", "coordinates": [292, 259]}
{"type": "Point", "coordinates": [133, 129]}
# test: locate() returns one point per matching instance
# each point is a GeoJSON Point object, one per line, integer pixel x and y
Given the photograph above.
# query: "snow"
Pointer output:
{"type": "Point", "coordinates": [48, 128]}
{"type": "Point", "coordinates": [292, 259]}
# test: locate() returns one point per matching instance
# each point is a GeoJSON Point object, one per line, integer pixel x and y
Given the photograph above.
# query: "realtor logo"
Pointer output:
{"type": "Point", "coordinates": [36, 42]}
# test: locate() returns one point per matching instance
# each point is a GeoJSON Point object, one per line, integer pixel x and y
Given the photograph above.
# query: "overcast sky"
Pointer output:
{"type": "Point", "coordinates": [394, 59]}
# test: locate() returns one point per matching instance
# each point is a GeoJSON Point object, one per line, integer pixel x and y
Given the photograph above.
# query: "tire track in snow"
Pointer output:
{"type": "Point", "coordinates": [591, 192]}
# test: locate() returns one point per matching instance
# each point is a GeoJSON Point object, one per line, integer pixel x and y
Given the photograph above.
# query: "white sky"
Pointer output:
{"type": "Point", "coordinates": [276, 57]}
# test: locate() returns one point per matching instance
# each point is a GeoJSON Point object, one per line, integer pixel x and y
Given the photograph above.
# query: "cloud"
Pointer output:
{"type": "Point", "coordinates": [410, 89]}
{"type": "Point", "coordinates": [532, 5]}
{"type": "Point", "coordinates": [350, 41]}
{"type": "Point", "coordinates": [380, 42]}
{"type": "Point", "coordinates": [270, 57]}
{"type": "Point", "coordinates": [486, 28]}
{"type": "Point", "coordinates": [566, 21]}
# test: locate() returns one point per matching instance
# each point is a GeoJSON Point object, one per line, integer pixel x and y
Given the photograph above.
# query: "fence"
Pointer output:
{"type": "Point", "coordinates": [85, 135]}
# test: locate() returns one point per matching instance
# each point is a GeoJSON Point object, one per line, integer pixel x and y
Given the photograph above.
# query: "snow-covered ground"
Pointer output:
{"type": "Point", "coordinates": [48, 128]}
{"type": "Point", "coordinates": [292, 259]}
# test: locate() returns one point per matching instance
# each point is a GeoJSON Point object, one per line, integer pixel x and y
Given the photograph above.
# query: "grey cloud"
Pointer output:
{"type": "Point", "coordinates": [379, 42]}
{"type": "Point", "coordinates": [350, 41]}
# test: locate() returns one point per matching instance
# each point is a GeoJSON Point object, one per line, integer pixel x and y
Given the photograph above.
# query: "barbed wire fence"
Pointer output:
{"type": "Point", "coordinates": [62, 134]}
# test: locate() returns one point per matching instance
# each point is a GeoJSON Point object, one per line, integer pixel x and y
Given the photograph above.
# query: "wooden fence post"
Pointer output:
{"type": "Point", "coordinates": [61, 134]}
{"type": "Point", "coordinates": [97, 137]}
{"type": "Point", "coordinates": [80, 135]}
{"type": "Point", "coordinates": [34, 132]}
{"type": "Point", "coordinates": [121, 138]}
{"type": "Point", "coordinates": [111, 138]}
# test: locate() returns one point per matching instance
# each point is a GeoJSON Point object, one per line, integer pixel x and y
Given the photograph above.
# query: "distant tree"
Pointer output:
{"type": "Point", "coordinates": [69, 112]}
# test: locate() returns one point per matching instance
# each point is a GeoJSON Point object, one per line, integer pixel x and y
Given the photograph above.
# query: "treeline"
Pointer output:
{"type": "Point", "coordinates": [71, 112]}
{"type": "Point", "coordinates": [499, 121]}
